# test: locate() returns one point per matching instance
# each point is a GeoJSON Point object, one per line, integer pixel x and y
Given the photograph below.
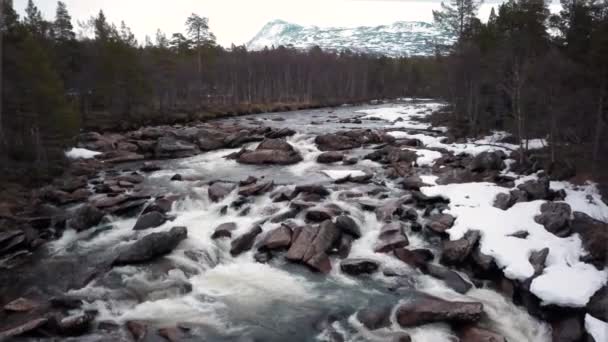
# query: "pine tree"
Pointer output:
{"type": "Point", "coordinates": [62, 27]}
{"type": "Point", "coordinates": [161, 40]}
{"type": "Point", "coordinates": [33, 19]}
{"type": "Point", "coordinates": [458, 16]}
{"type": "Point", "coordinates": [102, 28]}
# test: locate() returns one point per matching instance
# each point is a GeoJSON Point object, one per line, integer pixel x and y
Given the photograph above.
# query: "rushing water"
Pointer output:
{"type": "Point", "coordinates": [224, 298]}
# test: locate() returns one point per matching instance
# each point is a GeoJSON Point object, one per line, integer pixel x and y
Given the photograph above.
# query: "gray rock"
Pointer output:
{"type": "Point", "coordinates": [487, 161]}
{"type": "Point", "coordinates": [150, 220]}
{"type": "Point", "coordinates": [347, 225]}
{"type": "Point", "coordinates": [218, 190]}
{"type": "Point", "coordinates": [279, 238]}
{"type": "Point", "coordinates": [375, 317]}
{"type": "Point", "coordinates": [451, 278]}
{"type": "Point", "coordinates": [152, 246]}
{"type": "Point", "coordinates": [426, 309]}
{"type": "Point", "coordinates": [456, 252]}
{"type": "Point", "coordinates": [224, 230]}
{"type": "Point", "coordinates": [85, 217]}
{"type": "Point", "coordinates": [244, 242]}
{"type": "Point", "coordinates": [555, 217]}
{"type": "Point", "coordinates": [330, 157]}
{"type": "Point", "coordinates": [536, 189]}
{"type": "Point", "coordinates": [358, 266]}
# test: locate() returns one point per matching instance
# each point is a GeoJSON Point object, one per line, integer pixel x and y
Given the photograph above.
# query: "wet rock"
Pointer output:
{"type": "Point", "coordinates": [322, 213]}
{"type": "Point", "coordinates": [150, 220]}
{"type": "Point", "coordinates": [375, 317]}
{"type": "Point", "coordinates": [475, 334]}
{"type": "Point", "coordinates": [320, 262]}
{"type": "Point", "coordinates": [391, 228]}
{"type": "Point", "coordinates": [594, 235]}
{"type": "Point", "coordinates": [152, 246]}
{"type": "Point", "coordinates": [76, 325]}
{"type": "Point", "coordinates": [336, 142]}
{"type": "Point", "coordinates": [346, 241]}
{"type": "Point", "coordinates": [23, 327]}
{"type": "Point", "coordinates": [555, 217]}
{"type": "Point", "coordinates": [271, 151]}
{"type": "Point", "coordinates": [310, 189]}
{"type": "Point", "coordinates": [10, 240]}
{"type": "Point", "coordinates": [428, 309]}
{"type": "Point", "coordinates": [456, 252]}
{"type": "Point", "coordinates": [66, 302]}
{"type": "Point", "coordinates": [350, 161]}
{"type": "Point", "coordinates": [210, 143]}
{"type": "Point", "coordinates": [391, 154]}
{"type": "Point", "coordinates": [177, 177]}
{"type": "Point", "coordinates": [256, 189]}
{"type": "Point", "coordinates": [301, 242]}
{"type": "Point", "coordinates": [162, 205]}
{"type": "Point", "coordinates": [330, 157]}
{"type": "Point", "coordinates": [280, 133]}
{"type": "Point", "coordinates": [244, 242]}
{"type": "Point", "coordinates": [401, 337]}
{"type": "Point", "coordinates": [289, 214]}
{"type": "Point", "coordinates": [169, 147]}
{"type": "Point", "coordinates": [567, 329]}
{"type": "Point", "coordinates": [219, 190]}
{"type": "Point", "coordinates": [138, 330]}
{"type": "Point", "coordinates": [262, 257]}
{"type": "Point", "coordinates": [279, 238]}
{"type": "Point", "coordinates": [117, 157]}
{"type": "Point", "coordinates": [85, 217]}
{"type": "Point", "coordinates": [21, 305]}
{"type": "Point", "coordinates": [311, 245]}
{"type": "Point", "coordinates": [484, 262]}
{"type": "Point", "coordinates": [248, 181]}
{"type": "Point", "coordinates": [440, 223]}
{"type": "Point", "coordinates": [358, 266]}
{"type": "Point", "coordinates": [390, 240]}
{"type": "Point", "coordinates": [536, 189]}
{"type": "Point", "coordinates": [451, 278]}
{"type": "Point", "coordinates": [487, 161]}
{"type": "Point", "coordinates": [417, 258]}
{"type": "Point", "coordinates": [326, 237]}
{"type": "Point", "coordinates": [390, 210]}
{"type": "Point", "coordinates": [598, 303]}
{"type": "Point", "coordinates": [224, 230]}
{"type": "Point", "coordinates": [347, 225]}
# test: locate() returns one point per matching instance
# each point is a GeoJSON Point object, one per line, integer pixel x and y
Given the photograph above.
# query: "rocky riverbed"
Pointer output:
{"type": "Point", "coordinates": [358, 223]}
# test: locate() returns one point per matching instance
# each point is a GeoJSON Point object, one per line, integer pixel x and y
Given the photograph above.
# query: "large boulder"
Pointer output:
{"type": "Point", "coordinates": [390, 238]}
{"type": "Point", "coordinates": [536, 189]}
{"type": "Point", "coordinates": [451, 278]}
{"type": "Point", "coordinates": [244, 242]}
{"type": "Point", "coordinates": [224, 230]}
{"type": "Point", "coordinates": [347, 225]}
{"type": "Point", "coordinates": [336, 142]}
{"type": "Point", "coordinates": [152, 246]}
{"type": "Point", "coordinates": [330, 157]}
{"type": "Point", "coordinates": [279, 238]}
{"type": "Point", "coordinates": [455, 252]}
{"type": "Point", "coordinates": [555, 217]}
{"type": "Point", "coordinates": [424, 309]}
{"type": "Point", "coordinates": [271, 151]}
{"type": "Point", "coordinates": [311, 245]}
{"type": "Point", "coordinates": [85, 217]}
{"type": "Point", "coordinates": [440, 223]}
{"type": "Point", "coordinates": [594, 235]}
{"type": "Point", "coordinates": [169, 147]}
{"type": "Point", "coordinates": [358, 266]}
{"type": "Point", "coordinates": [219, 190]}
{"type": "Point", "coordinates": [150, 220]}
{"type": "Point", "coordinates": [488, 161]}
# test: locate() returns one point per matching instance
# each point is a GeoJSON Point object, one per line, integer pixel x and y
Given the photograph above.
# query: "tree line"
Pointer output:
{"type": "Point", "coordinates": [55, 82]}
{"type": "Point", "coordinates": [533, 73]}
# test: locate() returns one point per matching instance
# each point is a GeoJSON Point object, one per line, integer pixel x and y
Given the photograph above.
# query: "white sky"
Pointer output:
{"type": "Point", "coordinates": [237, 21]}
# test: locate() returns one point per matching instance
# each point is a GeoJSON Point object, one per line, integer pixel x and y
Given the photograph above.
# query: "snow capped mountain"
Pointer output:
{"type": "Point", "coordinates": [403, 38]}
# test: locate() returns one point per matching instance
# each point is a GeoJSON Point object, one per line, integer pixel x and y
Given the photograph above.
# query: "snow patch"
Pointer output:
{"type": "Point", "coordinates": [596, 328]}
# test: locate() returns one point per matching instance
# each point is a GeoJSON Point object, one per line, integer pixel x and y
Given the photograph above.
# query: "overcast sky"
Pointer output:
{"type": "Point", "coordinates": [237, 21]}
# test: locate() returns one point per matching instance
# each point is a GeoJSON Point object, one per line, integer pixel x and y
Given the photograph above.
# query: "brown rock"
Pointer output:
{"type": "Point", "coordinates": [426, 309]}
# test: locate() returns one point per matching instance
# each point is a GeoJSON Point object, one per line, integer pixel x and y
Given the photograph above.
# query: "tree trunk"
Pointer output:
{"type": "Point", "coordinates": [598, 128]}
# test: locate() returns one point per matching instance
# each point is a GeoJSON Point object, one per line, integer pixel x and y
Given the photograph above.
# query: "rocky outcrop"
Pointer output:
{"type": "Point", "coordinates": [424, 309]}
{"type": "Point", "coordinates": [152, 246]}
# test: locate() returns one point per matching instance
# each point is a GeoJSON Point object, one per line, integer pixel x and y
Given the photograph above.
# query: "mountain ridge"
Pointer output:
{"type": "Point", "coordinates": [401, 38]}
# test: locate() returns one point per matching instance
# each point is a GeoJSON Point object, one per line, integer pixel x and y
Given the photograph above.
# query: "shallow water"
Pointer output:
{"type": "Point", "coordinates": [225, 298]}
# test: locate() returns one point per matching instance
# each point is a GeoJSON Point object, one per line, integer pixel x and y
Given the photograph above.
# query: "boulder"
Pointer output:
{"type": "Point", "coordinates": [301, 243]}
{"type": "Point", "coordinates": [320, 262]}
{"type": "Point", "coordinates": [345, 245]}
{"type": "Point", "coordinates": [555, 217]}
{"type": "Point", "coordinates": [85, 217]}
{"type": "Point", "coordinates": [256, 188]}
{"type": "Point", "coordinates": [311, 245]}
{"type": "Point", "coordinates": [417, 258]}
{"type": "Point", "coordinates": [224, 230]}
{"type": "Point", "coordinates": [244, 242]}
{"type": "Point", "coordinates": [536, 189]}
{"type": "Point", "coordinates": [390, 210]}
{"type": "Point", "coordinates": [375, 316]}
{"type": "Point", "coordinates": [322, 213]}
{"type": "Point", "coordinates": [152, 246]}
{"type": "Point", "coordinates": [390, 240]}
{"type": "Point", "coordinates": [424, 309]}
{"type": "Point", "coordinates": [451, 278]}
{"type": "Point", "coordinates": [210, 143]}
{"type": "Point", "coordinates": [169, 147]}
{"type": "Point", "coordinates": [440, 223]}
{"type": "Point", "coordinates": [347, 225]}
{"type": "Point", "coordinates": [503, 201]}
{"type": "Point", "coordinates": [310, 189]}
{"type": "Point", "coordinates": [456, 251]}
{"type": "Point", "coordinates": [328, 234]}
{"type": "Point", "coordinates": [412, 183]}
{"type": "Point", "coordinates": [488, 161]}
{"type": "Point", "coordinates": [280, 133]}
{"type": "Point", "coordinates": [598, 303]}
{"type": "Point", "coordinates": [336, 142]}
{"type": "Point", "coordinates": [279, 238]}
{"type": "Point", "coordinates": [330, 157]}
{"type": "Point", "coordinates": [358, 266]}
{"type": "Point", "coordinates": [594, 235]}
{"type": "Point", "coordinates": [271, 151]}
{"type": "Point", "coordinates": [391, 155]}
{"type": "Point", "coordinates": [219, 190]}
{"type": "Point", "coordinates": [150, 220]}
